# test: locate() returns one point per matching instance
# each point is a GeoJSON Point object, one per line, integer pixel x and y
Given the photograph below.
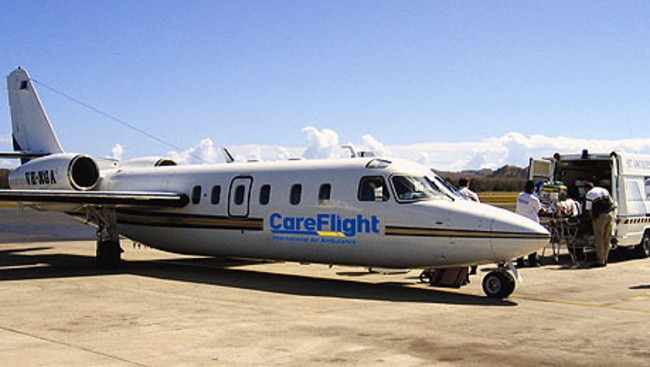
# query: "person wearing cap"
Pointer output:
{"type": "Point", "coordinates": [600, 207]}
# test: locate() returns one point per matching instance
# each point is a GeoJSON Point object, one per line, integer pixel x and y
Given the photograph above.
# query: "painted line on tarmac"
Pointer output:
{"type": "Point", "coordinates": [569, 303]}
{"type": "Point", "coordinates": [584, 304]}
{"type": "Point", "coordinates": [69, 345]}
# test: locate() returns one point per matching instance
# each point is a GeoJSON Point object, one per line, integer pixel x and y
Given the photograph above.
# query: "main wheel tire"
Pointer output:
{"type": "Point", "coordinates": [108, 254]}
{"type": "Point", "coordinates": [498, 284]}
{"type": "Point", "coordinates": [643, 248]}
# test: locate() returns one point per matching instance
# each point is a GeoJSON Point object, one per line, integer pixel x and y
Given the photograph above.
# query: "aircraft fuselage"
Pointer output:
{"type": "Point", "coordinates": [278, 210]}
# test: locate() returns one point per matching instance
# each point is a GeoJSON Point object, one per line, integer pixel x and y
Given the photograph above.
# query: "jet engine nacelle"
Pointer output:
{"type": "Point", "coordinates": [61, 171]}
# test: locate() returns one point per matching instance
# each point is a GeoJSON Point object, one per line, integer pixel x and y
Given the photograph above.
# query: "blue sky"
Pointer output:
{"type": "Point", "coordinates": [449, 83]}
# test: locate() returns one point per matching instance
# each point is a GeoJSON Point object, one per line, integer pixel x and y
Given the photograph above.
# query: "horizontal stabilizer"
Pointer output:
{"type": "Point", "coordinates": [21, 155]}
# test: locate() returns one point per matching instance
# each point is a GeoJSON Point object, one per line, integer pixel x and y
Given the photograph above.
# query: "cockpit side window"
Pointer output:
{"type": "Point", "coordinates": [415, 188]}
{"type": "Point", "coordinates": [372, 188]}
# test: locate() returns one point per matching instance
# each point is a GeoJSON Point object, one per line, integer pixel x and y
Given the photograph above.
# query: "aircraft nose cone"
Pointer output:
{"type": "Point", "coordinates": [516, 236]}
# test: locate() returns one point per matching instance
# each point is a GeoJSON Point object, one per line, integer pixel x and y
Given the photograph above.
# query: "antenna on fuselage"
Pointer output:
{"type": "Point", "coordinates": [355, 154]}
{"type": "Point", "coordinates": [353, 151]}
{"type": "Point", "coordinates": [226, 155]}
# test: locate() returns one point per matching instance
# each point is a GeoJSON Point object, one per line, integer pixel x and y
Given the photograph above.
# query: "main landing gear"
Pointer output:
{"type": "Point", "coordinates": [109, 251]}
{"type": "Point", "coordinates": [499, 283]}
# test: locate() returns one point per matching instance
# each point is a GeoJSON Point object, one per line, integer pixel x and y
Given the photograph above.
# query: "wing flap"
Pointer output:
{"type": "Point", "coordinates": [113, 198]}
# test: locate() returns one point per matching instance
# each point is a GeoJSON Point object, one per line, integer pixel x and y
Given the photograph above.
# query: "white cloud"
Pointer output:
{"type": "Point", "coordinates": [322, 143]}
{"type": "Point", "coordinates": [117, 151]}
{"type": "Point", "coordinates": [207, 151]}
{"type": "Point", "coordinates": [513, 148]}
{"type": "Point", "coordinates": [372, 144]}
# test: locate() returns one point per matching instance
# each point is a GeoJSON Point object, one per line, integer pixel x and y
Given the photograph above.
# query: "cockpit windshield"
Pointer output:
{"type": "Point", "coordinates": [416, 188]}
{"type": "Point", "coordinates": [444, 186]}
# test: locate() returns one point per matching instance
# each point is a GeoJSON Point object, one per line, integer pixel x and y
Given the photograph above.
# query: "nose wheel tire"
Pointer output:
{"type": "Point", "coordinates": [498, 284]}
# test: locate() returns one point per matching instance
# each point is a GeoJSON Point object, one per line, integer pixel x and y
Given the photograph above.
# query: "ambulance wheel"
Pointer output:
{"type": "Point", "coordinates": [643, 249]}
{"type": "Point", "coordinates": [498, 284]}
{"type": "Point", "coordinates": [108, 254]}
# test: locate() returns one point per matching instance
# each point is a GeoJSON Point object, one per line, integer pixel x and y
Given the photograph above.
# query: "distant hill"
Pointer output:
{"type": "Point", "coordinates": [506, 178]}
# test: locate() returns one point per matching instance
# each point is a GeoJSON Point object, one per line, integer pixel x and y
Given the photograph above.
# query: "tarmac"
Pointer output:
{"type": "Point", "coordinates": [161, 309]}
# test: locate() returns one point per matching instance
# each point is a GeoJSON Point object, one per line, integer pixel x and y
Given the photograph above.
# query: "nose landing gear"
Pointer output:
{"type": "Point", "coordinates": [499, 283]}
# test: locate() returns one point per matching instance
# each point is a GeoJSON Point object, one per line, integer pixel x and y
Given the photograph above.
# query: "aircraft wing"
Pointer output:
{"type": "Point", "coordinates": [112, 198]}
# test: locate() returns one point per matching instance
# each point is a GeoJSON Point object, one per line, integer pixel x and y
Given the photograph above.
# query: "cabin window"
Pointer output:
{"type": "Point", "coordinates": [265, 194]}
{"type": "Point", "coordinates": [372, 188]}
{"type": "Point", "coordinates": [324, 194]}
{"type": "Point", "coordinates": [215, 196]}
{"type": "Point", "coordinates": [295, 194]}
{"type": "Point", "coordinates": [646, 184]}
{"type": "Point", "coordinates": [240, 191]}
{"type": "Point", "coordinates": [196, 194]}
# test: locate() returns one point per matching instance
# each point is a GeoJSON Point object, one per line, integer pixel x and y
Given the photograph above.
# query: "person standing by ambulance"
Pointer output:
{"type": "Point", "coordinates": [528, 205]}
{"type": "Point", "coordinates": [600, 207]}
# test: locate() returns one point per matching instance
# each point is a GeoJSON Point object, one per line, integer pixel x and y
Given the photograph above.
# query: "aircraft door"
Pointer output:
{"type": "Point", "coordinates": [239, 196]}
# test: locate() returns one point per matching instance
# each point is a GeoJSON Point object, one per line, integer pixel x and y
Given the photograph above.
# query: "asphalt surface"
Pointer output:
{"type": "Point", "coordinates": [163, 309]}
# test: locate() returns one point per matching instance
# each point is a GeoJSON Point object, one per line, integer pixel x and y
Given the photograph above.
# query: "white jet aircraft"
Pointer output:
{"type": "Point", "coordinates": [365, 211]}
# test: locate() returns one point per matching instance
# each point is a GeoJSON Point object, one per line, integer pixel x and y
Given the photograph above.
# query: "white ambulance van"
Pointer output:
{"type": "Point", "coordinates": [627, 178]}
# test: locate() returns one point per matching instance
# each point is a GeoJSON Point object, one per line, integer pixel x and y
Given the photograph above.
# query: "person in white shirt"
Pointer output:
{"type": "Point", "coordinates": [601, 210]}
{"type": "Point", "coordinates": [528, 205]}
{"type": "Point", "coordinates": [463, 188]}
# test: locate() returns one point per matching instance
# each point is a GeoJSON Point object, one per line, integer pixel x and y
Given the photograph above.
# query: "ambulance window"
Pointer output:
{"type": "Point", "coordinates": [647, 188]}
{"type": "Point", "coordinates": [633, 191]}
{"type": "Point", "coordinates": [296, 192]}
{"type": "Point", "coordinates": [324, 194]}
{"type": "Point", "coordinates": [265, 194]}
{"type": "Point", "coordinates": [372, 188]}
{"type": "Point", "coordinates": [196, 194]}
{"type": "Point", "coordinates": [215, 196]}
{"type": "Point", "coordinates": [240, 190]}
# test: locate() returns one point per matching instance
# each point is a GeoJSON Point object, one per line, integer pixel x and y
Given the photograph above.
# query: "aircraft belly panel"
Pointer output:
{"type": "Point", "coordinates": [384, 251]}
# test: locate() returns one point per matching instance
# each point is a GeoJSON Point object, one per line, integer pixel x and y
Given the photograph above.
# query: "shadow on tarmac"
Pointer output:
{"type": "Point", "coordinates": [565, 261]}
{"type": "Point", "coordinates": [641, 286]}
{"type": "Point", "coordinates": [32, 263]}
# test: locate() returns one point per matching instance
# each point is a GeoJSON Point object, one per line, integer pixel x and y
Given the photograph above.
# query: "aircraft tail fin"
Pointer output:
{"type": "Point", "coordinates": [33, 134]}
